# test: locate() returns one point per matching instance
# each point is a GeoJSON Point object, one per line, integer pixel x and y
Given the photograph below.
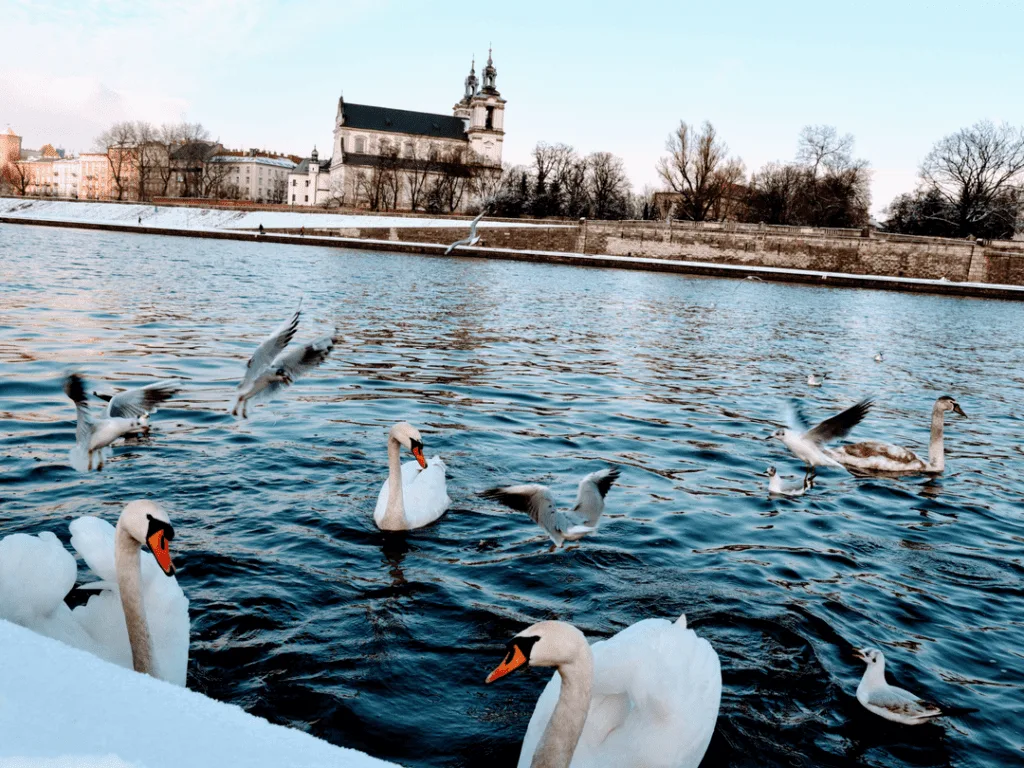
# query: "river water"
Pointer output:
{"type": "Point", "coordinates": [304, 613]}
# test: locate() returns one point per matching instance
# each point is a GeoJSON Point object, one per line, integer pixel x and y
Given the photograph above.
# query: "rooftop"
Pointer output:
{"type": "Point", "coordinates": [279, 162]}
{"type": "Point", "coordinates": [402, 121]}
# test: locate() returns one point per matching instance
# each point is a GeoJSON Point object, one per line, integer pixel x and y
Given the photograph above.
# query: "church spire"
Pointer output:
{"type": "Point", "coordinates": [490, 74]}
{"type": "Point", "coordinates": [472, 84]}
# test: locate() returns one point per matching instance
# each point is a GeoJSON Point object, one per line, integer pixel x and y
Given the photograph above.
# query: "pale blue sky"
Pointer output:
{"type": "Point", "coordinates": [599, 76]}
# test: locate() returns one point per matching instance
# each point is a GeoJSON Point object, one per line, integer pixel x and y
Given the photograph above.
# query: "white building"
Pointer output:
{"type": "Point", "coordinates": [255, 176]}
{"type": "Point", "coordinates": [387, 159]}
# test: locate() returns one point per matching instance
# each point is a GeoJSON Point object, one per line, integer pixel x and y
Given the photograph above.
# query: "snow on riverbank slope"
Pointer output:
{"type": "Point", "coordinates": [177, 217]}
{"type": "Point", "coordinates": [60, 706]}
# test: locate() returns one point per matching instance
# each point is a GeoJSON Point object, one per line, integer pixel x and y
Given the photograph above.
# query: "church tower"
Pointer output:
{"type": "Point", "coordinates": [486, 113]}
{"type": "Point", "coordinates": [462, 109]}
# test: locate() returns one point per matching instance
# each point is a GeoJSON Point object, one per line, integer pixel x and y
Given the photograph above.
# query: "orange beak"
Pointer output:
{"type": "Point", "coordinates": [417, 451]}
{"type": "Point", "coordinates": [161, 551]}
{"type": "Point", "coordinates": [510, 663]}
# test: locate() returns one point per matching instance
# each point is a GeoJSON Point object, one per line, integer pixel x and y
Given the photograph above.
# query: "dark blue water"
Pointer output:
{"type": "Point", "coordinates": [304, 613]}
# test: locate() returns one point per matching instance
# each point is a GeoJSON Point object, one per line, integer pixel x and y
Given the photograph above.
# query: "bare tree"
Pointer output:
{"type": "Point", "coordinates": [821, 148]}
{"type": "Point", "coordinates": [774, 195]}
{"type": "Point", "coordinates": [417, 171]}
{"type": "Point", "coordinates": [609, 186]}
{"type": "Point", "coordinates": [979, 171]}
{"type": "Point", "coordinates": [17, 176]}
{"type": "Point", "coordinates": [380, 185]}
{"type": "Point", "coordinates": [576, 186]}
{"type": "Point", "coordinates": [119, 142]}
{"type": "Point", "coordinates": [549, 164]}
{"type": "Point", "coordinates": [696, 169]}
{"type": "Point", "coordinates": [450, 182]}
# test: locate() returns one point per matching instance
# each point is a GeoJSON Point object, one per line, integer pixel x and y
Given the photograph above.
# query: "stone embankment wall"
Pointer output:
{"type": "Point", "coordinates": [819, 250]}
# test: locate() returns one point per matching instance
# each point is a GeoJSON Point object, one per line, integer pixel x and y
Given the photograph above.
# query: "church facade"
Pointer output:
{"type": "Point", "coordinates": [395, 159]}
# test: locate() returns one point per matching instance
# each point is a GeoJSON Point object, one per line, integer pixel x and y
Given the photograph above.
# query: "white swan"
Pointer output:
{"type": "Point", "coordinates": [271, 367]}
{"type": "Point", "coordinates": [873, 457]}
{"type": "Point", "coordinates": [648, 696]}
{"type": "Point", "coordinates": [139, 619]}
{"type": "Point", "coordinates": [536, 501]}
{"type": "Point", "coordinates": [806, 442]}
{"type": "Point", "coordinates": [415, 493]}
{"type": "Point", "coordinates": [93, 436]}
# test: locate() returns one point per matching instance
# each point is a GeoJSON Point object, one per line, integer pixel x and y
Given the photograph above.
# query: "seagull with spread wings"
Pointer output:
{"type": "Point", "coordinates": [473, 238]}
{"type": "Point", "coordinates": [273, 367]}
{"type": "Point", "coordinates": [561, 526]}
{"type": "Point", "coordinates": [136, 403]}
{"type": "Point", "coordinates": [806, 442]}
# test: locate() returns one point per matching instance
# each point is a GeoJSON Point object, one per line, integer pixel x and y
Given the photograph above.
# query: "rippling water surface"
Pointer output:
{"type": "Point", "coordinates": [304, 613]}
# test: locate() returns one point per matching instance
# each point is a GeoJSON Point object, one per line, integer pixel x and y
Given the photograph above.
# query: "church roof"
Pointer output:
{"type": "Point", "coordinates": [403, 121]}
{"type": "Point", "coordinates": [303, 167]}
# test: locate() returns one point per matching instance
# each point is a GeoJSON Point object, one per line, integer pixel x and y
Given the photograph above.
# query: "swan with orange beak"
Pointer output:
{"type": "Point", "coordinates": [415, 493]}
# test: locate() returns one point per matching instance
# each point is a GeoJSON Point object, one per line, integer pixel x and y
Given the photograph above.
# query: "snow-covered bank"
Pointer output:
{"type": "Point", "coordinates": [61, 706]}
{"type": "Point", "coordinates": [178, 217]}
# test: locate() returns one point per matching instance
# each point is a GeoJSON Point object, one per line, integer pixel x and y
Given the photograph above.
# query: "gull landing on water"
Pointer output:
{"type": "Point", "coordinates": [813, 380]}
{"type": "Point", "coordinates": [136, 403]}
{"type": "Point", "coordinates": [890, 702]}
{"type": "Point", "coordinates": [272, 368]}
{"type": "Point", "coordinates": [776, 486]}
{"type": "Point", "coordinates": [806, 442]}
{"type": "Point", "coordinates": [536, 501]}
{"type": "Point", "coordinates": [473, 238]}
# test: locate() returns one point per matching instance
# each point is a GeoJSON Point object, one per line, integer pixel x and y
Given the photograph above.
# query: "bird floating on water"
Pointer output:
{"type": "Point", "coordinates": [130, 413]}
{"type": "Point", "coordinates": [806, 442]}
{"type": "Point", "coordinates": [473, 238]}
{"type": "Point", "coordinates": [776, 486]}
{"type": "Point", "coordinates": [272, 368]}
{"type": "Point", "coordinates": [890, 702]}
{"type": "Point", "coordinates": [537, 502]}
{"type": "Point", "coordinates": [415, 493]}
{"type": "Point", "coordinates": [649, 696]}
{"type": "Point", "coordinates": [813, 380]}
{"type": "Point", "coordinates": [878, 357]}
{"type": "Point", "coordinates": [872, 457]}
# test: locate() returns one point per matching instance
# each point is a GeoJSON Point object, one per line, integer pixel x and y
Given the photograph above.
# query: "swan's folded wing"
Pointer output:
{"type": "Point", "coordinates": [840, 424]}
{"type": "Point", "coordinates": [93, 540]}
{"type": "Point", "coordinates": [36, 573]}
{"type": "Point", "coordinates": [270, 348]}
{"type": "Point", "coordinates": [135, 403]}
{"type": "Point", "coordinates": [169, 625]}
{"type": "Point", "coordinates": [426, 494]}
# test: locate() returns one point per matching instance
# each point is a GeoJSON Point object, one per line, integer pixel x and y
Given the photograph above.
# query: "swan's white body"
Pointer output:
{"type": "Point", "coordinates": [888, 701]}
{"type": "Point", "coordinates": [649, 696]}
{"type": "Point", "coordinates": [872, 457]}
{"type": "Point", "coordinates": [413, 495]}
{"type": "Point", "coordinates": [37, 572]}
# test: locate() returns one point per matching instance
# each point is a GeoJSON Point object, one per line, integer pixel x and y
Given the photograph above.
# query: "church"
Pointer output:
{"type": "Point", "coordinates": [387, 159]}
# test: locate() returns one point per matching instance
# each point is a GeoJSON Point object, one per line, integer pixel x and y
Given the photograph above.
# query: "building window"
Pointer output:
{"type": "Point", "coordinates": [360, 145]}
{"type": "Point", "coordinates": [295, 182]}
{"type": "Point", "coordinates": [307, 198]}
{"type": "Point", "coordinates": [307, 182]}
{"type": "Point", "coordinates": [293, 197]}
{"type": "Point", "coordinates": [489, 125]}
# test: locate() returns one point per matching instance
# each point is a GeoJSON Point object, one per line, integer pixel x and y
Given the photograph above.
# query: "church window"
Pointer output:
{"type": "Point", "coordinates": [293, 197]}
{"type": "Point", "coordinates": [410, 149]}
{"type": "Point", "coordinates": [307, 198]}
{"type": "Point", "coordinates": [489, 125]}
{"type": "Point", "coordinates": [360, 145]}
{"type": "Point", "coordinates": [295, 182]}
{"type": "Point", "coordinates": [307, 182]}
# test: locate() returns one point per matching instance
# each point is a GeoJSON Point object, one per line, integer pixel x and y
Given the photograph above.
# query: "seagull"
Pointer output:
{"type": "Point", "coordinates": [890, 702]}
{"type": "Point", "coordinates": [754, 277]}
{"type": "Point", "coordinates": [473, 238]}
{"type": "Point", "coordinates": [777, 488]}
{"type": "Point", "coordinates": [814, 381]}
{"type": "Point", "coordinates": [878, 357]}
{"type": "Point", "coordinates": [536, 501]}
{"type": "Point", "coordinates": [271, 368]}
{"type": "Point", "coordinates": [805, 442]}
{"type": "Point", "coordinates": [92, 436]}
{"type": "Point", "coordinates": [136, 403]}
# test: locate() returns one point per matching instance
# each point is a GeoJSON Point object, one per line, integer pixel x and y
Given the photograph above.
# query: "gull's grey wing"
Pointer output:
{"type": "Point", "coordinates": [590, 496]}
{"type": "Point", "coordinates": [135, 403]}
{"type": "Point", "coordinates": [74, 387]}
{"type": "Point", "coordinates": [796, 418]}
{"type": "Point", "coordinates": [534, 500]}
{"type": "Point", "coordinates": [270, 348]}
{"type": "Point", "coordinates": [472, 225]}
{"type": "Point", "coordinates": [840, 424]}
{"type": "Point", "coordinates": [903, 703]}
{"type": "Point", "coordinates": [463, 241]}
{"type": "Point", "coordinates": [296, 363]}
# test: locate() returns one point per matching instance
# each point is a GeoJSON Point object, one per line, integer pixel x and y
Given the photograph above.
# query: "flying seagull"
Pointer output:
{"type": "Point", "coordinates": [92, 436]}
{"type": "Point", "coordinates": [806, 442]}
{"type": "Point", "coordinates": [890, 702]}
{"type": "Point", "coordinates": [473, 238]}
{"type": "Point", "coordinates": [536, 501]}
{"type": "Point", "coordinates": [136, 403]}
{"type": "Point", "coordinates": [272, 367]}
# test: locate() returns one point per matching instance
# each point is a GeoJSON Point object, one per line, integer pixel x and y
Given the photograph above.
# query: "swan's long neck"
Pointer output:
{"type": "Point", "coordinates": [129, 582]}
{"type": "Point", "coordinates": [566, 724]}
{"type": "Point", "coordinates": [394, 515]}
{"type": "Point", "coordinates": [936, 452]}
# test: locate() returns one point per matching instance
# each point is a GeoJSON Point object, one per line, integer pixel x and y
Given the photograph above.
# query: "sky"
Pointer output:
{"type": "Point", "coordinates": [600, 76]}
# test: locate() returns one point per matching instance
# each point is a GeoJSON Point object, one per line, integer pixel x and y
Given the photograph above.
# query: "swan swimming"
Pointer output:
{"type": "Point", "coordinates": [415, 493]}
{"type": "Point", "coordinates": [649, 696]}
{"type": "Point", "coordinates": [890, 702]}
{"type": "Point", "coordinates": [473, 238]}
{"type": "Point", "coordinates": [271, 368]}
{"type": "Point", "coordinates": [875, 457]}
{"type": "Point", "coordinates": [807, 442]}
{"type": "Point", "coordinates": [536, 501]}
{"type": "Point", "coordinates": [93, 436]}
{"type": "Point", "coordinates": [139, 618]}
